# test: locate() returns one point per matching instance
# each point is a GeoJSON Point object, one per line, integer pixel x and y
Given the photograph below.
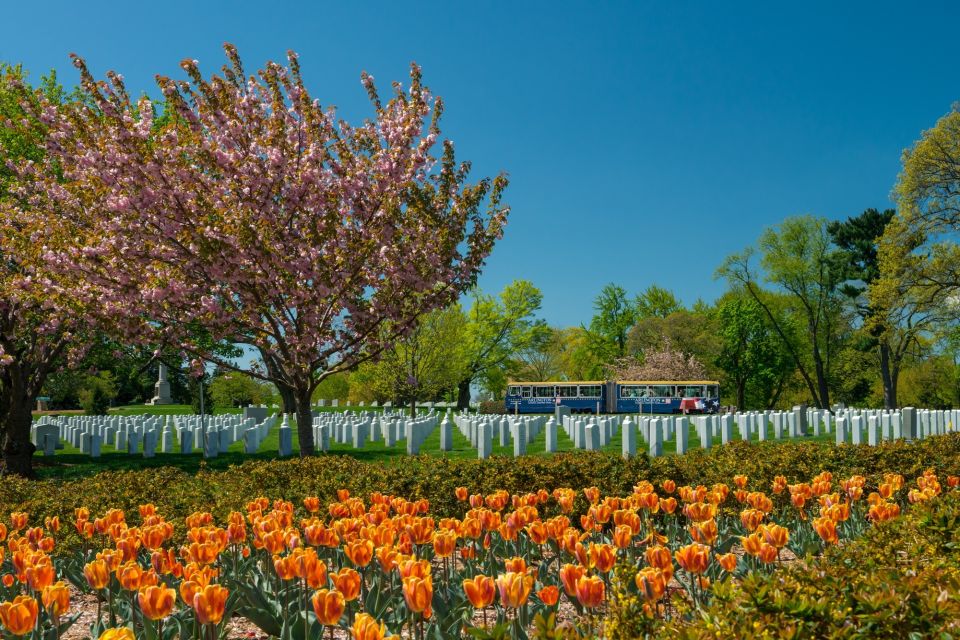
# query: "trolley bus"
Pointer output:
{"type": "Point", "coordinates": [615, 396]}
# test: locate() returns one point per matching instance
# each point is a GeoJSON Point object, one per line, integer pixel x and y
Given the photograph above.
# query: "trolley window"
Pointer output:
{"type": "Point", "coordinates": [513, 391]}
{"type": "Point", "coordinates": [569, 391]}
{"type": "Point", "coordinates": [543, 392]}
{"type": "Point", "coordinates": [631, 391]}
{"type": "Point", "coordinates": [526, 392]}
{"type": "Point", "coordinates": [664, 391]}
{"type": "Point", "coordinates": [713, 391]}
{"type": "Point", "coordinates": [590, 391]}
{"type": "Point", "coordinates": [692, 391]}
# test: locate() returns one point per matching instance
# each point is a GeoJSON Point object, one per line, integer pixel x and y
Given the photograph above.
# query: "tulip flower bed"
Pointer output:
{"type": "Point", "coordinates": [504, 565]}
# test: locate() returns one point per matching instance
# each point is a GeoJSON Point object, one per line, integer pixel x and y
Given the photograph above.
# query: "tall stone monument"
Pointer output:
{"type": "Point", "coordinates": [162, 388]}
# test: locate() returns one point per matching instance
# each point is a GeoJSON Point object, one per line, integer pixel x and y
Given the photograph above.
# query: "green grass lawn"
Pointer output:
{"type": "Point", "coordinates": [69, 462]}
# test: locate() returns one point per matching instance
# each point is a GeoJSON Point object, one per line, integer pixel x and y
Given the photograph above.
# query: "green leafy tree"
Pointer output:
{"type": "Point", "coordinates": [893, 317]}
{"type": "Point", "coordinates": [98, 393]}
{"type": "Point", "coordinates": [543, 358]}
{"type": "Point", "coordinates": [795, 259]}
{"type": "Point", "coordinates": [235, 389]}
{"type": "Point", "coordinates": [919, 246]}
{"type": "Point", "coordinates": [749, 349]}
{"type": "Point", "coordinates": [498, 328]}
{"type": "Point", "coordinates": [335, 387]}
{"type": "Point", "coordinates": [692, 331]}
{"type": "Point", "coordinates": [423, 364]}
{"type": "Point", "coordinates": [578, 358]}
{"type": "Point", "coordinates": [614, 315]}
{"type": "Point", "coordinates": [656, 302]}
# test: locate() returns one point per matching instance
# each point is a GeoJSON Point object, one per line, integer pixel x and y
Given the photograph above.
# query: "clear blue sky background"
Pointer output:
{"type": "Point", "coordinates": [645, 141]}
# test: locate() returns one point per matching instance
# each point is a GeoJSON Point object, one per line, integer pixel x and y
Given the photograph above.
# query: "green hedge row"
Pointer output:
{"type": "Point", "coordinates": [177, 493]}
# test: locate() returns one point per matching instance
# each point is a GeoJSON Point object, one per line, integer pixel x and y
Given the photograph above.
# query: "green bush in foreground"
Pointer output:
{"type": "Point", "coordinates": [900, 580]}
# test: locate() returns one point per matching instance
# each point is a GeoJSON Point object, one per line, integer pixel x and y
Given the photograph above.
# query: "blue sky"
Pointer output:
{"type": "Point", "coordinates": [645, 141]}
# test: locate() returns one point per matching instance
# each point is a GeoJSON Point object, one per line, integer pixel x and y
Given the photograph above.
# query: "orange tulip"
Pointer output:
{"type": "Point", "coordinates": [515, 564]}
{"type": "Point", "coordinates": [669, 486]}
{"type": "Point", "coordinates": [603, 557]}
{"type": "Point", "coordinates": [779, 484]}
{"type": "Point", "coordinates": [569, 574]}
{"type": "Point", "coordinates": [19, 616]}
{"type": "Point", "coordinates": [329, 605]}
{"type": "Point", "coordinates": [700, 511]}
{"type": "Point", "coordinates": [705, 532]}
{"type": "Point", "coordinates": [694, 557]}
{"type": "Point", "coordinates": [18, 520]}
{"type": "Point", "coordinates": [774, 534]}
{"type": "Point", "coordinates": [130, 575]}
{"type": "Point", "coordinates": [652, 583]}
{"type": "Point", "coordinates": [590, 591]}
{"type": "Point", "coordinates": [461, 493]}
{"type": "Point", "coordinates": [514, 589]}
{"type": "Point", "coordinates": [751, 519]}
{"type": "Point", "coordinates": [480, 591]}
{"type": "Point", "coordinates": [826, 528]}
{"type": "Point", "coordinates": [156, 602]}
{"type": "Point", "coordinates": [659, 557]}
{"type": "Point", "coordinates": [360, 552]}
{"type": "Point", "coordinates": [312, 504]}
{"type": "Point", "coordinates": [97, 574]}
{"type": "Point", "coordinates": [421, 531]}
{"type": "Point", "coordinates": [121, 633]}
{"type": "Point", "coordinates": [56, 599]}
{"type": "Point", "coordinates": [768, 552]}
{"type": "Point", "coordinates": [210, 603]}
{"type": "Point", "coordinates": [310, 568]}
{"type": "Point", "coordinates": [622, 536]}
{"type": "Point", "coordinates": [285, 567]}
{"type": "Point", "coordinates": [444, 543]}
{"type": "Point", "coordinates": [538, 532]}
{"type": "Point", "coordinates": [740, 481]}
{"type": "Point", "coordinates": [728, 562]}
{"type": "Point", "coordinates": [549, 595]}
{"type": "Point", "coordinates": [418, 593]}
{"type": "Point", "coordinates": [592, 494]}
{"type": "Point", "coordinates": [366, 628]}
{"type": "Point", "coordinates": [751, 544]}
{"type": "Point", "coordinates": [347, 582]}
{"type": "Point", "coordinates": [40, 574]}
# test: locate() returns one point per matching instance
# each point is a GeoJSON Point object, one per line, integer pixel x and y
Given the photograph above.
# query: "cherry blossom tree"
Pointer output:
{"type": "Point", "coordinates": [244, 211]}
{"type": "Point", "coordinates": [38, 321]}
{"type": "Point", "coordinates": [667, 362]}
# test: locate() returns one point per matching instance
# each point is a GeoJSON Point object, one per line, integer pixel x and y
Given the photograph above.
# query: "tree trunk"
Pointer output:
{"type": "Point", "coordinates": [463, 395]}
{"type": "Point", "coordinates": [741, 393]}
{"type": "Point", "coordinates": [15, 425]}
{"type": "Point", "coordinates": [304, 420]}
{"type": "Point", "coordinates": [823, 399]}
{"type": "Point", "coordinates": [413, 408]}
{"type": "Point", "coordinates": [288, 402]}
{"type": "Point", "coordinates": [889, 385]}
{"type": "Point", "coordinates": [288, 399]}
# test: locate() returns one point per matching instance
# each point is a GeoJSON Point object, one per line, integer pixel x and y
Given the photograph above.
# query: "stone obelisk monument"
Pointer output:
{"type": "Point", "coordinates": [162, 388]}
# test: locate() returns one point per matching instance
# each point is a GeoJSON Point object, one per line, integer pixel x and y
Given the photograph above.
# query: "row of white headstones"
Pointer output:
{"type": "Point", "coordinates": [374, 404]}
{"type": "Point", "coordinates": [150, 434]}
